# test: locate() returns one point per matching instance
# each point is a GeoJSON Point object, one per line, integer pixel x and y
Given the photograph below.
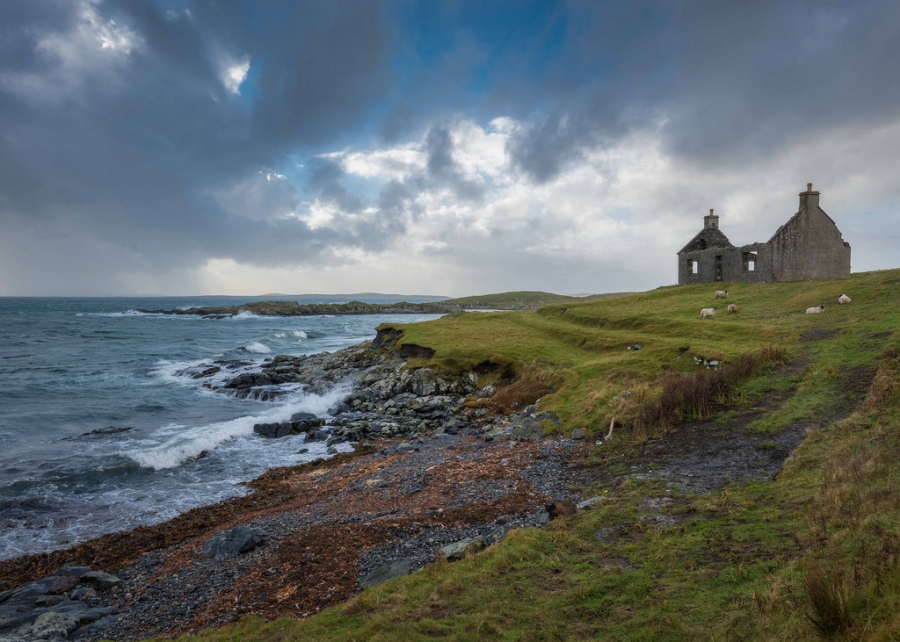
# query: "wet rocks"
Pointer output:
{"type": "Point", "coordinates": [236, 541]}
{"type": "Point", "coordinates": [301, 422]}
{"type": "Point", "coordinates": [53, 607]}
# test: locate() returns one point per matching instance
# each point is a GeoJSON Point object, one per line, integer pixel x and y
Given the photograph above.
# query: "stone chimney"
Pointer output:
{"type": "Point", "coordinates": [711, 222]}
{"type": "Point", "coordinates": [809, 199]}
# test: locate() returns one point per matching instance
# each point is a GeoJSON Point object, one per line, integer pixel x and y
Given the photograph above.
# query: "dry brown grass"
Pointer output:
{"type": "Point", "coordinates": [697, 395]}
{"type": "Point", "coordinates": [828, 610]}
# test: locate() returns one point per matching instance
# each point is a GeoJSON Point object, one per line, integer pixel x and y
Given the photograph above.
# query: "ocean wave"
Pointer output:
{"type": "Point", "coordinates": [177, 371]}
{"type": "Point", "coordinates": [257, 348]}
{"type": "Point", "coordinates": [243, 315]}
{"type": "Point", "coordinates": [126, 313]}
{"type": "Point", "coordinates": [187, 443]}
{"type": "Point", "coordinates": [299, 334]}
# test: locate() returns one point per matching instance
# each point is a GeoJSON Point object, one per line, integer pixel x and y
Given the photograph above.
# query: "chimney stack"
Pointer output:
{"type": "Point", "coordinates": [711, 221]}
{"type": "Point", "coordinates": [809, 199]}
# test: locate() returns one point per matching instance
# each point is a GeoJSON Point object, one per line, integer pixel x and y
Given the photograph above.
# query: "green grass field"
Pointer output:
{"type": "Point", "coordinates": [814, 552]}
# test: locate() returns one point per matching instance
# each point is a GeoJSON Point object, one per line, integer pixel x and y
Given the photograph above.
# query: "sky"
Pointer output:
{"type": "Point", "coordinates": [185, 147]}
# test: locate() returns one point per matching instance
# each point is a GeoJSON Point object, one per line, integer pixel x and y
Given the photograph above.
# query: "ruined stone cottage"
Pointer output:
{"type": "Point", "coordinates": [809, 247]}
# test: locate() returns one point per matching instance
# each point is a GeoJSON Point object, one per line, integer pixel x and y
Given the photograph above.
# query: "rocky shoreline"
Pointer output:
{"type": "Point", "coordinates": [429, 478]}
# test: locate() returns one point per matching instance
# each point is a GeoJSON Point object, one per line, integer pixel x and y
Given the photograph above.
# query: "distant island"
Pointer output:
{"type": "Point", "coordinates": [504, 301]}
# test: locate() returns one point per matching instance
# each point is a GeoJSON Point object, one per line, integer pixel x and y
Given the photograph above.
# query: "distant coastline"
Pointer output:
{"type": "Point", "coordinates": [506, 301]}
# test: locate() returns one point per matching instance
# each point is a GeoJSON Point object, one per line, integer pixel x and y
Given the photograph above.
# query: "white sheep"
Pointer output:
{"type": "Point", "coordinates": [819, 309]}
{"type": "Point", "coordinates": [721, 294]}
{"type": "Point", "coordinates": [844, 299]}
{"type": "Point", "coordinates": [732, 308]}
{"type": "Point", "coordinates": [707, 313]}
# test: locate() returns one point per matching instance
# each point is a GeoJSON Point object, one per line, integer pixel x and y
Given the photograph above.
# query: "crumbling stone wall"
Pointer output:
{"type": "Point", "coordinates": [809, 247]}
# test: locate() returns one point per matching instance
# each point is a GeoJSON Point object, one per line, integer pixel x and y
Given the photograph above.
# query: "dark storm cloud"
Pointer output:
{"type": "Point", "coordinates": [325, 184]}
{"type": "Point", "coordinates": [443, 170]}
{"type": "Point", "coordinates": [139, 147]}
{"type": "Point", "coordinates": [734, 82]}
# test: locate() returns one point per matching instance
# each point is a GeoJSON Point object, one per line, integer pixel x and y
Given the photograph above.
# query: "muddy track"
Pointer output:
{"type": "Point", "coordinates": [706, 455]}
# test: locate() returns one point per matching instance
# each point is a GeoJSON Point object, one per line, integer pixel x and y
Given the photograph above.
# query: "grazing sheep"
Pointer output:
{"type": "Point", "coordinates": [732, 308]}
{"type": "Point", "coordinates": [844, 299]}
{"type": "Point", "coordinates": [819, 309]}
{"type": "Point", "coordinates": [707, 313]}
{"type": "Point", "coordinates": [721, 294]}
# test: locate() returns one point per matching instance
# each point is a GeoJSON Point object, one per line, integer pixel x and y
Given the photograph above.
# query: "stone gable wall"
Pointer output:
{"type": "Point", "coordinates": [809, 247]}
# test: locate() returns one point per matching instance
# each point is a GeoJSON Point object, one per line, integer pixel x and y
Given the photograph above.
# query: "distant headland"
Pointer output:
{"type": "Point", "coordinates": [505, 301]}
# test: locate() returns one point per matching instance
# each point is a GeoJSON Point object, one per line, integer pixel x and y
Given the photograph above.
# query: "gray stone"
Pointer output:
{"type": "Point", "coordinates": [462, 549]}
{"type": "Point", "coordinates": [48, 626]}
{"type": "Point", "coordinates": [496, 434]}
{"type": "Point", "coordinates": [84, 594]}
{"type": "Point", "coordinates": [317, 435]}
{"type": "Point", "coordinates": [236, 541]}
{"type": "Point", "coordinates": [62, 584]}
{"type": "Point", "coordinates": [100, 580]}
{"type": "Point", "coordinates": [72, 571]}
{"type": "Point", "coordinates": [577, 434]}
{"type": "Point", "coordinates": [48, 600]}
{"type": "Point", "coordinates": [588, 503]}
{"type": "Point", "coordinates": [386, 572]}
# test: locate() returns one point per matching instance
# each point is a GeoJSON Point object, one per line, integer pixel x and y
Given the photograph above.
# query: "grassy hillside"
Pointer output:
{"type": "Point", "coordinates": [813, 552]}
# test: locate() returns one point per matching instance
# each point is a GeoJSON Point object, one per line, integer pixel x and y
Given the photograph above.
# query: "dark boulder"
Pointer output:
{"type": "Point", "coordinates": [386, 572]}
{"type": "Point", "coordinates": [62, 584]}
{"type": "Point", "coordinates": [236, 541]}
{"type": "Point", "coordinates": [100, 580]}
{"type": "Point", "coordinates": [266, 430]}
{"type": "Point", "coordinates": [305, 421]}
{"type": "Point", "coordinates": [72, 571]}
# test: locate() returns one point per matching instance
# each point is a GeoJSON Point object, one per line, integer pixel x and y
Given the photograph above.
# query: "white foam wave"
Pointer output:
{"type": "Point", "coordinates": [257, 348]}
{"type": "Point", "coordinates": [126, 313]}
{"type": "Point", "coordinates": [242, 315]}
{"type": "Point", "coordinates": [188, 443]}
{"type": "Point", "coordinates": [299, 334]}
{"type": "Point", "coordinates": [169, 370]}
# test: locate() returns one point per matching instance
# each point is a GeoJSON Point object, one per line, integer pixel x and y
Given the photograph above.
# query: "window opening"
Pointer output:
{"type": "Point", "coordinates": [750, 261]}
{"type": "Point", "coordinates": [693, 267]}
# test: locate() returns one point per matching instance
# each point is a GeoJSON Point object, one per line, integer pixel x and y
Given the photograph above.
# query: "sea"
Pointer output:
{"type": "Point", "coordinates": [103, 428]}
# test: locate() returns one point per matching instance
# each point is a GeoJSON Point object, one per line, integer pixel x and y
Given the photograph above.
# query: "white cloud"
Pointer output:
{"type": "Point", "coordinates": [393, 163]}
{"type": "Point", "coordinates": [234, 73]}
{"type": "Point", "coordinates": [612, 221]}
